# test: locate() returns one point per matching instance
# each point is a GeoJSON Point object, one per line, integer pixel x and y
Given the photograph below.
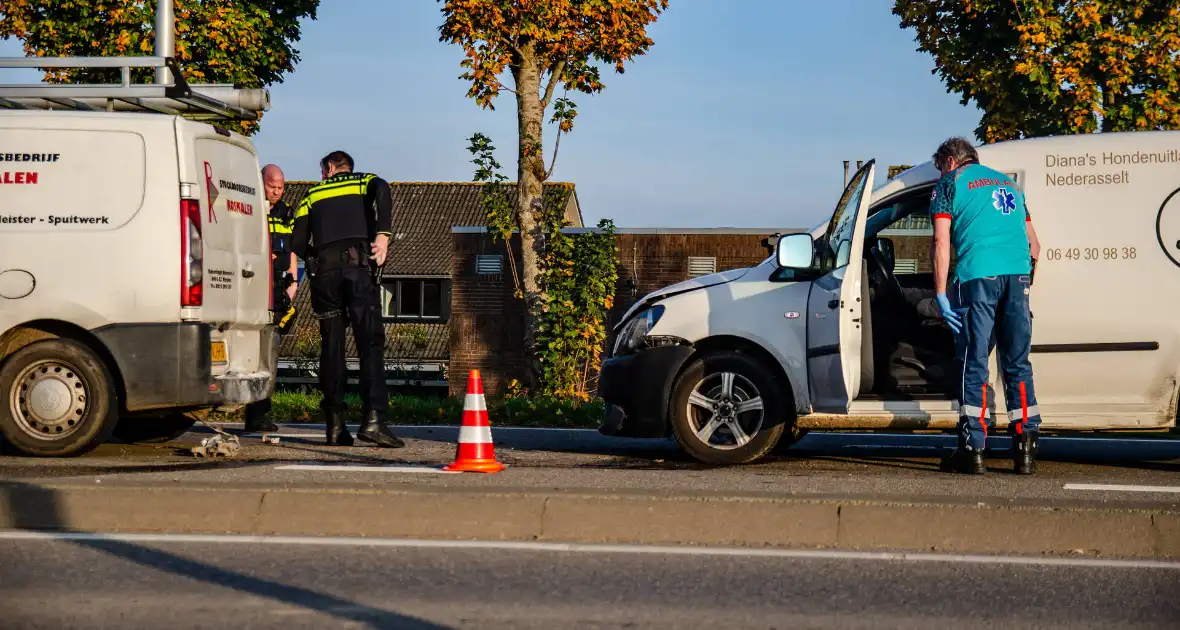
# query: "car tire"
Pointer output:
{"type": "Point", "coordinates": [791, 436]}
{"type": "Point", "coordinates": [154, 429]}
{"type": "Point", "coordinates": [57, 399]}
{"type": "Point", "coordinates": [703, 415]}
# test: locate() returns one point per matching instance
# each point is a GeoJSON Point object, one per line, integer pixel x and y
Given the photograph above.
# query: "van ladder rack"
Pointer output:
{"type": "Point", "coordinates": [211, 102]}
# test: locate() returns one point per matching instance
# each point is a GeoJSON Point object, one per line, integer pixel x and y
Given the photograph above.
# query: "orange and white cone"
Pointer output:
{"type": "Point", "coordinates": [476, 452]}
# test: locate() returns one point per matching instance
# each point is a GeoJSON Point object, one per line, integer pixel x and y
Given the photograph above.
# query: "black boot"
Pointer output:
{"type": "Point", "coordinates": [1024, 453]}
{"type": "Point", "coordinates": [964, 460]}
{"type": "Point", "coordinates": [338, 434]}
{"type": "Point", "coordinates": [376, 431]}
{"type": "Point", "coordinates": [256, 421]}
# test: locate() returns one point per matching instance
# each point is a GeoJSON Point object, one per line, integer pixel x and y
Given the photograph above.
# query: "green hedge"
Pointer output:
{"type": "Point", "coordinates": [289, 406]}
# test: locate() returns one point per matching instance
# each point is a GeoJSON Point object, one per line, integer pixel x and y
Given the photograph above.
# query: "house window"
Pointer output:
{"type": "Point", "coordinates": [412, 298]}
{"type": "Point", "coordinates": [701, 266]}
{"type": "Point", "coordinates": [487, 264]}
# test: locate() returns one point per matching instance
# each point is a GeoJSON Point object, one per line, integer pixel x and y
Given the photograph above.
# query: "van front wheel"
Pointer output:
{"type": "Point", "coordinates": [727, 409]}
{"type": "Point", "coordinates": [58, 399]}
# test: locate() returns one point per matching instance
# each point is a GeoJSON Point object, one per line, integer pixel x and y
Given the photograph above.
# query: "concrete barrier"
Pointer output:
{"type": "Point", "coordinates": [598, 517]}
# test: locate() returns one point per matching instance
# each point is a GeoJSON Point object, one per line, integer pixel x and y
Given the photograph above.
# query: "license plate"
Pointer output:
{"type": "Point", "coordinates": [218, 354]}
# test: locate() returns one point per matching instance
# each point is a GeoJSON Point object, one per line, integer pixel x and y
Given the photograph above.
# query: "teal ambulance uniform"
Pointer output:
{"type": "Point", "coordinates": [991, 287]}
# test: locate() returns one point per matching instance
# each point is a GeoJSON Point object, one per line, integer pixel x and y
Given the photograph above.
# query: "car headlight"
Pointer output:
{"type": "Point", "coordinates": [631, 336]}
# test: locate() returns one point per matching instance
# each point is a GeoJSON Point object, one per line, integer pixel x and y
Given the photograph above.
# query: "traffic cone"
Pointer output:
{"type": "Point", "coordinates": [475, 452]}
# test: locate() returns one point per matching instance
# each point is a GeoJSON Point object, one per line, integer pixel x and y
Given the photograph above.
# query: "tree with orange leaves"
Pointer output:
{"type": "Point", "coordinates": [543, 44]}
{"type": "Point", "coordinates": [1054, 67]}
{"type": "Point", "coordinates": [250, 43]}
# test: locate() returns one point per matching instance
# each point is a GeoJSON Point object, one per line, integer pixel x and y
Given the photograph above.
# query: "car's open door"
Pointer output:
{"type": "Point", "coordinates": [834, 307]}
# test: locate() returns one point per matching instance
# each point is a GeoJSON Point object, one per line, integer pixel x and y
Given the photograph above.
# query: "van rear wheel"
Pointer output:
{"type": "Point", "coordinates": [727, 409]}
{"type": "Point", "coordinates": [59, 400]}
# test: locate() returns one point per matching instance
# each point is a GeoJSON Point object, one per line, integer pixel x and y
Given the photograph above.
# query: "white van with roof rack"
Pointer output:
{"type": "Point", "coordinates": [135, 261]}
{"type": "Point", "coordinates": [834, 332]}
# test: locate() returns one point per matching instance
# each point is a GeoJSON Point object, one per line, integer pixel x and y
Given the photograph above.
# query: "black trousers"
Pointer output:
{"type": "Point", "coordinates": [256, 411]}
{"type": "Point", "coordinates": [350, 291]}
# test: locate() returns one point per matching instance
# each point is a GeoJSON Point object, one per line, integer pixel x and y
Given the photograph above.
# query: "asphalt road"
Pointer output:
{"type": "Point", "coordinates": [157, 584]}
{"type": "Point", "coordinates": [871, 465]}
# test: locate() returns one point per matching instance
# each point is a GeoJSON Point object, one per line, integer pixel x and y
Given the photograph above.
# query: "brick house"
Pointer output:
{"type": "Point", "coordinates": [416, 285]}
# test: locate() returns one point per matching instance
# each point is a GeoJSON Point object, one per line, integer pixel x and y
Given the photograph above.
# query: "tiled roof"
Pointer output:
{"type": "Point", "coordinates": [430, 342]}
{"type": "Point", "coordinates": [423, 215]}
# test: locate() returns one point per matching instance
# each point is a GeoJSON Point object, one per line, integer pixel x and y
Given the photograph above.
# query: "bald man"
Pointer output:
{"type": "Point", "coordinates": [280, 221]}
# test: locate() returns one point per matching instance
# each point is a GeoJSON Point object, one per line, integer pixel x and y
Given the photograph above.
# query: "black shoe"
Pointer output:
{"type": "Point", "coordinates": [258, 423]}
{"type": "Point", "coordinates": [376, 431]}
{"type": "Point", "coordinates": [964, 460]}
{"type": "Point", "coordinates": [338, 434]}
{"type": "Point", "coordinates": [1024, 453]}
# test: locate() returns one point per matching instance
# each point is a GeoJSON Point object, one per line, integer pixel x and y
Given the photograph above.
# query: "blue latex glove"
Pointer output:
{"type": "Point", "coordinates": [948, 314]}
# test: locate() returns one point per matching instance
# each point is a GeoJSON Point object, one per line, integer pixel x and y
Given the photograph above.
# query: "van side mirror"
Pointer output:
{"type": "Point", "coordinates": [795, 251]}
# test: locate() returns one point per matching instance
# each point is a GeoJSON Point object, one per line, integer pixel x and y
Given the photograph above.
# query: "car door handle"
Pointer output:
{"type": "Point", "coordinates": [246, 273]}
{"type": "Point", "coordinates": [835, 304]}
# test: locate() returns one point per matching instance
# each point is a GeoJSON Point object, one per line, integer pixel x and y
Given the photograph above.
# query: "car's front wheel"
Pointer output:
{"type": "Point", "coordinates": [727, 408]}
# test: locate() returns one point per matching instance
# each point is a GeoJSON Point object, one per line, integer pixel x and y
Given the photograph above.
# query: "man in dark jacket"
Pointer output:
{"type": "Point", "coordinates": [280, 221]}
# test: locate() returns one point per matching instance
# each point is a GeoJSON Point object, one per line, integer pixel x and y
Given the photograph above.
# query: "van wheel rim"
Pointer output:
{"type": "Point", "coordinates": [49, 400]}
{"type": "Point", "coordinates": [725, 411]}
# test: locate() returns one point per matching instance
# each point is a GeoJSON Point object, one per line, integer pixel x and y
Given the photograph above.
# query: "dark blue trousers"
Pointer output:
{"type": "Point", "coordinates": [995, 313]}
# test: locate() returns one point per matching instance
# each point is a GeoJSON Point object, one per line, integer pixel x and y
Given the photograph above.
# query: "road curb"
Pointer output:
{"type": "Point", "coordinates": [596, 517]}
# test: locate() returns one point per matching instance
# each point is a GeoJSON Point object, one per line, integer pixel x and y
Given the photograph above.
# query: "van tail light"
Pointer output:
{"type": "Point", "coordinates": [192, 253]}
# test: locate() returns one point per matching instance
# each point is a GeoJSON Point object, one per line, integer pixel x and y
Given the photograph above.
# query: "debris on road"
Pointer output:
{"type": "Point", "coordinates": [223, 444]}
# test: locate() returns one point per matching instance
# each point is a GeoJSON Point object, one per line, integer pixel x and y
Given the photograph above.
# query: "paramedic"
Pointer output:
{"type": "Point", "coordinates": [342, 230]}
{"type": "Point", "coordinates": [982, 213]}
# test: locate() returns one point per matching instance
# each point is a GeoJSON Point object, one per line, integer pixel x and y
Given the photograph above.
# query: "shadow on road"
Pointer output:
{"type": "Point", "coordinates": [37, 508]}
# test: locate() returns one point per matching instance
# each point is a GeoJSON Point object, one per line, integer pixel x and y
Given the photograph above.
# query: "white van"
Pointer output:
{"type": "Point", "coordinates": [134, 274]}
{"type": "Point", "coordinates": [839, 330]}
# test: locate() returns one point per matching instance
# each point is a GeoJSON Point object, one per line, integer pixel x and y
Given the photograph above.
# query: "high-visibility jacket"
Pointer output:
{"type": "Point", "coordinates": [344, 208]}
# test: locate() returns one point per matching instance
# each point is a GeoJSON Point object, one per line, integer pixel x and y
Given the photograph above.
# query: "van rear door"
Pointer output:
{"type": "Point", "coordinates": [235, 283]}
{"type": "Point", "coordinates": [834, 306]}
{"type": "Point", "coordinates": [234, 233]}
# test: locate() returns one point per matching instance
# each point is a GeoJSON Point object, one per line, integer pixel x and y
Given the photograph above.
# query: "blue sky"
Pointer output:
{"type": "Point", "coordinates": [739, 116]}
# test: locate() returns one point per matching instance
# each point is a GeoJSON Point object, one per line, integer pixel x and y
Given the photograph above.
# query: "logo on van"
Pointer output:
{"type": "Point", "coordinates": [211, 190]}
{"type": "Point", "coordinates": [1167, 227]}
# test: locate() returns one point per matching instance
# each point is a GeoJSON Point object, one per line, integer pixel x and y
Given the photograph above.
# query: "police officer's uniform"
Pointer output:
{"type": "Point", "coordinates": [334, 227]}
{"type": "Point", "coordinates": [281, 222]}
{"type": "Point", "coordinates": [992, 281]}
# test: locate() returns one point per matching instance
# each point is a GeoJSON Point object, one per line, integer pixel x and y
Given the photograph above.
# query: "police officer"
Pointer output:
{"type": "Point", "coordinates": [280, 221]}
{"type": "Point", "coordinates": [342, 230]}
{"type": "Point", "coordinates": [982, 212]}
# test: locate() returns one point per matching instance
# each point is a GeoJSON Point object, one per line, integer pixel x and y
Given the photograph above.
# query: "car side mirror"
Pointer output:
{"type": "Point", "coordinates": [795, 251]}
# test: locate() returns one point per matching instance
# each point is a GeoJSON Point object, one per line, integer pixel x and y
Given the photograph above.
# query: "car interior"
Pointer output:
{"type": "Point", "coordinates": [912, 349]}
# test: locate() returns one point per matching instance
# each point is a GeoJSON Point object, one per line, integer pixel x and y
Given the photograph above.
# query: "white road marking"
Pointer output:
{"type": "Point", "coordinates": [685, 550]}
{"type": "Point", "coordinates": [1119, 488]}
{"type": "Point", "coordinates": [364, 468]}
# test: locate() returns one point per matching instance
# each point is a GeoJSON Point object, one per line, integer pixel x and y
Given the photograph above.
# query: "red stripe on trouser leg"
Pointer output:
{"type": "Point", "coordinates": [1023, 408]}
{"type": "Point", "coordinates": [983, 412]}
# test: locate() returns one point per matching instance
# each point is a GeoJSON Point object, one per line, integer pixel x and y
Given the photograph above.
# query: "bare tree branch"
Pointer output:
{"type": "Point", "coordinates": [554, 77]}
{"type": "Point", "coordinates": [553, 162]}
